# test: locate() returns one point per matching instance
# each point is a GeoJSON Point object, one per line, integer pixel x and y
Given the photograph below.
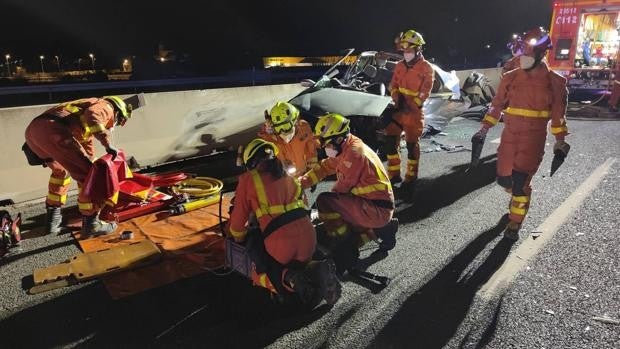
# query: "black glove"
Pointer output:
{"type": "Point", "coordinates": [112, 151]}
{"type": "Point", "coordinates": [313, 188]}
{"type": "Point", "coordinates": [562, 146]}
{"type": "Point", "coordinates": [480, 135]}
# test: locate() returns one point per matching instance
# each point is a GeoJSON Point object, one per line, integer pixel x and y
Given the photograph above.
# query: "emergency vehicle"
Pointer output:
{"type": "Point", "coordinates": [584, 34]}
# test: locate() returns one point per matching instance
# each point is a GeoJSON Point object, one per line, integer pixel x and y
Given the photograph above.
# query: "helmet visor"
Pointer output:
{"type": "Point", "coordinates": [284, 127]}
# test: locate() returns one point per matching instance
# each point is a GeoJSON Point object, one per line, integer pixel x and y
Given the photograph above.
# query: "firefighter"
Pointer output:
{"type": "Point", "coordinates": [63, 138]}
{"type": "Point", "coordinates": [516, 48]}
{"type": "Point", "coordinates": [410, 86]}
{"type": "Point", "coordinates": [293, 137]}
{"type": "Point", "coordinates": [528, 97]}
{"type": "Point", "coordinates": [361, 202]}
{"type": "Point", "coordinates": [266, 194]}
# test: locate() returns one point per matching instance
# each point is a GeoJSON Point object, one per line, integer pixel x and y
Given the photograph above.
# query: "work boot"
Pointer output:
{"type": "Point", "coordinates": [93, 226]}
{"type": "Point", "coordinates": [53, 219]}
{"type": "Point", "coordinates": [387, 234]}
{"type": "Point", "coordinates": [512, 231]}
{"type": "Point", "coordinates": [396, 179]}
{"type": "Point", "coordinates": [298, 282]}
{"type": "Point", "coordinates": [329, 285]}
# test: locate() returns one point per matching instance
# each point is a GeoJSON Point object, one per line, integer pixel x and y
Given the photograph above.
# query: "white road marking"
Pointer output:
{"type": "Point", "coordinates": [520, 257]}
{"type": "Point", "coordinates": [497, 140]}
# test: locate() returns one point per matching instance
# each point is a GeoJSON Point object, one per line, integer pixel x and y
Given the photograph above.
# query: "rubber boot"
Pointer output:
{"type": "Point", "coordinates": [512, 231]}
{"type": "Point", "coordinates": [298, 282]}
{"type": "Point", "coordinates": [53, 219]}
{"type": "Point", "coordinates": [93, 226]}
{"type": "Point", "coordinates": [324, 274]}
{"type": "Point", "coordinates": [387, 234]}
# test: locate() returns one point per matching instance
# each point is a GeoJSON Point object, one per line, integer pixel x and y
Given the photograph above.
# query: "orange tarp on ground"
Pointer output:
{"type": "Point", "coordinates": [190, 244]}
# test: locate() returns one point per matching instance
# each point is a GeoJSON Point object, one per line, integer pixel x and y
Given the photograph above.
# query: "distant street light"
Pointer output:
{"type": "Point", "coordinates": [162, 59]}
{"type": "Point", "coordinates": [92, 60]}
{"type": "Point", "coordinates": [57, 62]}
{"type": "Point", "coordinates": [8, 64]}
{"type": "Point", "coordinates": [41, 59]}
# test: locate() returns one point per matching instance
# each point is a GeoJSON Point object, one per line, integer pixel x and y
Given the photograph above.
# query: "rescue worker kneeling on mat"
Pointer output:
{"type": "Point", "coordinates": [361, 201]}
{"type": "Point", "coordinates": [282, 247]}
{"type": "Point", "coordinates": [410, 86]}
{"type": "Point", "coordinates": [529, 97]}
{"type": "Point", "coordinates": [62, 139]}
{"type": "Point", "coordinates": [293, 137]}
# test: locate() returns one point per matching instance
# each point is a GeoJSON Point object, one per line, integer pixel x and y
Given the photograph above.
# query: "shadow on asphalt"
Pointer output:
{"type": "Point", "coordinates": [442, 191]}
{"type": "Point", "coordinates": [432, 315]}
{"type": "Point", "coordinates": [16, 254]}
{"type": "Point", "coordinates": [229, 312]}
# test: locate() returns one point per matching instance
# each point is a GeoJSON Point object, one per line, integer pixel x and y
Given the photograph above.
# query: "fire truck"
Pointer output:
{"type": "Point", "coordinates": [585, 37]}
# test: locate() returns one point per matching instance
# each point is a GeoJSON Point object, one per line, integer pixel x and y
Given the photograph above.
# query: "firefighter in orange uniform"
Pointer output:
{"type": "Point", "coordinates": [528, 97]}
{"type": "Point", "coordinates": [516, 47]}
{"type": "Point", "coordinates": [410, 86]}
{"type": "Point", "coordinates": [361, 201]}
{"type": "Point", "coordinates": [268, 196]}
{"type": "Point", "coordinates": [293, 137]}
{"type": "Point", "coordinates": [63, 138]}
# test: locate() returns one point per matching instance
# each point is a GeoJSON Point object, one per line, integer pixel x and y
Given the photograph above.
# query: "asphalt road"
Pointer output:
{"type": "Point", "coordinates": [449, 245]}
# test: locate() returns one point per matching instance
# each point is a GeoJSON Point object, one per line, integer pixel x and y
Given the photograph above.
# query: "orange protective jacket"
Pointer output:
{"type": "Point", "coordinates": [413, 83]}
{"type": "Point", "coordinates": [300, 152]}
{"type": "Point", "coordinates": [87, 118]}
{"type": "Point", "coordinates": [358, 169]}
{"type": "Point", "coordinates": [537, 95]}
{"type": "Point", "coordinates": [267, 198]}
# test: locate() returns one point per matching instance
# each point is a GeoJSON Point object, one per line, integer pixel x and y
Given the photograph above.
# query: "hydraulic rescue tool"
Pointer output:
{"type": "Point", "coordinates": [9, 231]}
{"type": "Point", "coordinates": [558, 158]}
{"type": "Point", "coordinates": [477, 143]}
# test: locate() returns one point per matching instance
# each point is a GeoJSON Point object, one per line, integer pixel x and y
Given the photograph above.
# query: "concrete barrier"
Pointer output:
{"type": "Point", "coordinates": [172, 125]}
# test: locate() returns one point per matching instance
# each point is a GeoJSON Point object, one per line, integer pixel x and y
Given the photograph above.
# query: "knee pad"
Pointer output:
{"type": "Point", "coordinates": [505, 181]}
{"type": "Point", "coordinates": [518, 183]}
{"type": "Point", "coordinates": [390, 145]}
{"type": "Point", "coordinates": [411, 150]}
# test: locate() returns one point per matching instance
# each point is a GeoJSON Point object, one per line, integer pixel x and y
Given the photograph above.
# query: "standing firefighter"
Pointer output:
{"type": "Point", "coordinates": [63, 138]}
{"type": "Point", "coordinates": [361, 201]}
{"type": "Point", "coordinates": [529, 97]}
{"type": "Point", "coordinates": [293, 137]}
{"type": "Point", "coordinates": [266, 194]}
{"type": "Point", "coordinates": [410, 86]}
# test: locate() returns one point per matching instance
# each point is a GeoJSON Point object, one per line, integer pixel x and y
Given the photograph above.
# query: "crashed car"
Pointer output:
{"type": "Point", "coordinates": [362, 95]}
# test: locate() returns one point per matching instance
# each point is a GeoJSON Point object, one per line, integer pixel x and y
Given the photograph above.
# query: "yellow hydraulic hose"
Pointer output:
{"type": "Point", "coordinates": [199, 187]}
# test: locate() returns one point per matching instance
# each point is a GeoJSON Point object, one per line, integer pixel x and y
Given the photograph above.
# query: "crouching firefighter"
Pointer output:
{"type": "Point", "coordinates": [529, 97]}
{"type": "Point", "coordinates": [360, 205]}
{"type": "Point", "coordinates": [282, 247]}
{"type": "Point", "coordinates": [62, 139]}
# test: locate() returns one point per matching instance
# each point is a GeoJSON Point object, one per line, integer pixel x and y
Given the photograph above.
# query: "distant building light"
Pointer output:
{"type": "Point", "coordinates": [162, 59]}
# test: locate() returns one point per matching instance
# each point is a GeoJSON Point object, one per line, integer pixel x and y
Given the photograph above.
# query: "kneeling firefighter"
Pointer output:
{"type": "Point", "coordinates": [361, 202]}
{"type": "Point", "coordinates": [529, 97]}
{"type": "Point", "coordinates": [62, 139]}
{"type": "Point", "coordinates": [282, 246]}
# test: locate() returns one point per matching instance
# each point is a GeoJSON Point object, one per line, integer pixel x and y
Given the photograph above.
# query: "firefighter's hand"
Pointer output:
{"type": "Point", "coordinates": [562, 146]}
{"type": "Point", "coordinates": [112, 151]}
{"type": "Point", "coordinates": [313, 188]}
{"type": "Point", "coordinates": [480, 135]}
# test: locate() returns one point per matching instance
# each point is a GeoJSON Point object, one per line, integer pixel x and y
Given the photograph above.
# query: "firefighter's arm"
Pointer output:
{"type": "Point", "coordinates": [352, 165]}
{"type": "Point", "coordinates": [311, 145]}
{"type": "Point", "coordinates": [426, 86]}
{"type": "Point", "coordinates": [326, 167]}
{"type": "Point", "coordinates": [240, 213]}
{"type": "Point", "coordinates": [499, 102]}
{"type": "Point", "coordinates": [394, 83]}
{"type": "Point", "coordinates": [559, 101]}
{"type": "Point", "coordinates": [89, 147]}
{"type": "Point", "coordinates": [97, 121]}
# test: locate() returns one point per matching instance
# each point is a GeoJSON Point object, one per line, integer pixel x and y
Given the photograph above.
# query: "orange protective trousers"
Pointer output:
{"type": "Point", "coordinates": [52, 140]}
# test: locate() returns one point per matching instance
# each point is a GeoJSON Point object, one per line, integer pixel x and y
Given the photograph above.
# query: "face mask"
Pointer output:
{"type": "Point", "coordinates": [526, 62]}
{"type": "Point", "coordinates": [409, 56]}
{"type": "Point", "coordinates": [331, 152]}
{"type": "Point", "coordinates": [288, 137]}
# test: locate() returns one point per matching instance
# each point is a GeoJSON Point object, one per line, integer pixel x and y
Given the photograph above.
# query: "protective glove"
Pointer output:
{"type": "Point", "coordinates": [112, 151]}
{"type": "Point", "coordinates": [562, 146]}
{"type": "Point", "coordinates": [480, 135]}
{"type": "Point", "coordinates": [313, 188]}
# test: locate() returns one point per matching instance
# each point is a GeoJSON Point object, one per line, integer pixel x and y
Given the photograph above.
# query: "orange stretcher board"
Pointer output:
{"type": "Point", "coordinates": [190, 243]}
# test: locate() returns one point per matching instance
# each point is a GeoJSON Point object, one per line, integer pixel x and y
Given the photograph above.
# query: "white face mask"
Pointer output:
{"type": "Point", "coordinates": [288, 137]}
{"type": "Point", "coordinates": [331, 152]}
{"type": "Point", "coordinates": [409, 56]}
{"type": "Point", "coordinates": [526, 62]}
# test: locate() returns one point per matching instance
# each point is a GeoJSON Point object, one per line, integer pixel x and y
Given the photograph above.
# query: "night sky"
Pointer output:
{"type": "Point", "coordinates": [235, 34]}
